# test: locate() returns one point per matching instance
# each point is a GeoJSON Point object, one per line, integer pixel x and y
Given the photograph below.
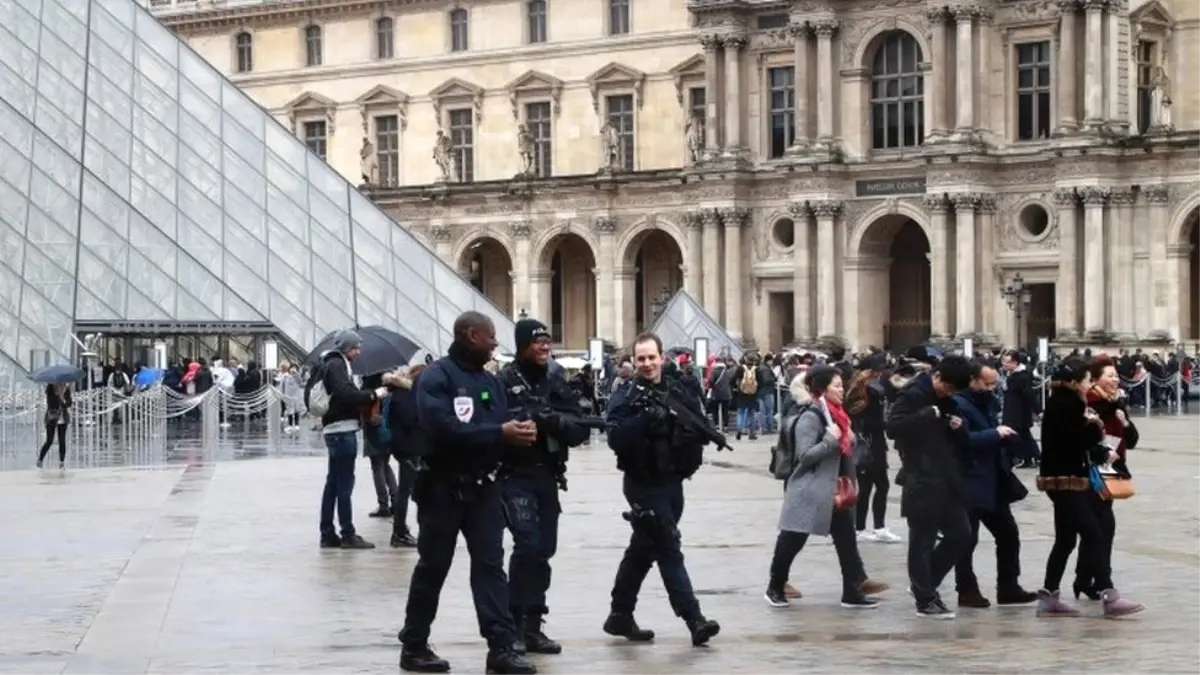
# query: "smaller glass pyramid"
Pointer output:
{"type": "Point", "coordinates": [683, 320]}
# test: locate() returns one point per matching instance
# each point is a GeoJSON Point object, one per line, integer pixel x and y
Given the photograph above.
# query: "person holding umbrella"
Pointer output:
{"type": "Point", "coordinates": [58, 379]}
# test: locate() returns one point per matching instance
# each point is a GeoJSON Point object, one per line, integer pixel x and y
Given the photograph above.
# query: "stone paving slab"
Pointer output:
{"type": "Point", "coordinates": [214, 568]}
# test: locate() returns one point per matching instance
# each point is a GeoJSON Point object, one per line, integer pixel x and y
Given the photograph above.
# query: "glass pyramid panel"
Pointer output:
{"type": "Point", "coordinates": [683, 320]}
{"type": "Point", "coordinates": [138, 183]}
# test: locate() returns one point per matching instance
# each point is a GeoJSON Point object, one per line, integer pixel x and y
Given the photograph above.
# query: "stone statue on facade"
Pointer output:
{"type": "Point", "coordinates": [443, 155]}
{"type": "Point", "coordinates": [1160, 95]}
{"type": "Point", "coordinates": [369, 163]}
{"type": "Point", "coordinates": [610, 141]}
{"type": "Point", "coordinates": [694, 137]}
{"type": "Point", "coordinates": [526, 147]}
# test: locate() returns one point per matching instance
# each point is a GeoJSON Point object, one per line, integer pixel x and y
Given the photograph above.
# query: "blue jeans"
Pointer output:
{"type": "Point", "coordinates": [339, 482]}
{"type": "Point", "coordinates": [746, 420]}
{"type": "Point", "coordinates": [766, 404]}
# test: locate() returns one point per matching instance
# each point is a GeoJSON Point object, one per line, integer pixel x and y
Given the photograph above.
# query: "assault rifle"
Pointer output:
{"type": "Point", "coordinates": [693, 422]}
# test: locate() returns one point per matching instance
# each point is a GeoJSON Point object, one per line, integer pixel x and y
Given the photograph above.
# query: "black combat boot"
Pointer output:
{"type": "Point", "coordinates": [702, 630]}
{"type": "Point", "coordinates": [508, 662]}
{"type": "Point", "coordinates": [519, 622]}
{"type": "Point", "coordinates": [624, 625]}
{"type": "Point", "coordinates": [422, 659]}
{"type": "Point", "coordinates": [536, 641]}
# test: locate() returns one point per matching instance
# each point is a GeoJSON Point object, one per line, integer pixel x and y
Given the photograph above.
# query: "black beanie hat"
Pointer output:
{"type": "Point", "coordinates": [527, 331]}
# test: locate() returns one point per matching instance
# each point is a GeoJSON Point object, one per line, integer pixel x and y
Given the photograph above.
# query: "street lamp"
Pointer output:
{"type": "Point", "coordinates": [1018, 297]}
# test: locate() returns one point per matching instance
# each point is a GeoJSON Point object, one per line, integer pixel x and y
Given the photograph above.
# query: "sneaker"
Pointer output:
{"type": "Point", "coordinates": [885, 536]}
{"type": "Point", "coordinates": [39, 464]}
{"type": "Point", "coordinates": [859, 602]}
{"type": "Point", "coordinates": [62, 465]}
{"type": "Point", "coordinates": [1116, 607]}
{"type": "Point", "coordinates": [508, 662]}
{"type": "Point", "coordinates": [1050, 605]}
{"type": "Point", "coordinates": [331, 541]}
{"type": "Point", "coordinates": [355, 541]}
{"type": "Point", "coordinates": [624, 625]}
{"type": "Point", "coordinates": [381, 512]}
{"type": "Point", "coordinates": [422, 659]}
{"type": "Point", "coordinates": [703, 630]}
{"type": "Point", "coordinates": [776, 597]}
{"type": "Point", "coordinates": [973, 599]}
{"type": "Point", "coordinates": [935, 609]}
{"type": "Point", "coordinates": [867, 535]}
{"type": "Point", "coordinates": [403, 540]}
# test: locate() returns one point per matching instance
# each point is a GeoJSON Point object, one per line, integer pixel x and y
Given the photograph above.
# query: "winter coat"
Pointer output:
{"type": "Point", "coordinates": [808, 493]}
{"type": "Point", "coordinates": [720, 382]}
{"type": "Point", "coordinates": [408, 438]}
{"type": "Point", "coordinates": [986, 458]}
{"type": "Point", "coordinates": [919, 422]}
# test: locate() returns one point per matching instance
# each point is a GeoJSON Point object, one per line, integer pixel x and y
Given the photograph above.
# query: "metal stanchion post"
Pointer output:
{"type": "Point", "coordinates": [274, 414]}
{"type": "Point", "coordinates": [1147, 392]}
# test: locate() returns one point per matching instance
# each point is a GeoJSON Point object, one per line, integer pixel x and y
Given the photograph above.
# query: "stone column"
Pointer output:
{"type": "Point", "coordinates": [712, 95]}
{"type": "Point", "coordinates": [734, 272]}
{"type": "Point", "coordinates": [935, 79]}
{"type": "Point", "coordinates": [711, 222]}
{"type": "Point", "coordinates": [1095, 290]}
{"type": "Point", "coordinates": [964, 19]}
{"type": "Point", "coordinates": [939, 266]}
{"type": "Point", "coordinates": [539, 295]}
{"type": "Point", "coordinates": [986, 243]}
{"type": "Point", "coordinates": [521, 232]}
{"type": "Point", "coordinates": [799, 33]}
{"type": "Point", "coordinates": [966, 255]}
{"type": "Point", "coordinates": [605, 228]}
{"type": "Point", "coordinates": [1093, 73]}
{"type": "Point", "coordinates": [1180, 295]}
{"type": "Point", "coordinates": [692, 259]}
{"type": "Point", "coordinates": [801, 269]}
{"type": "Point", "coordinates": [826, 212]}
{"type": "Point", "coordinates": [825, 30]}
{"type": "Point", "coordinates": [1067, 287]}
{"type": "Point", "coordinates": [623, 289]}
{"type": "Point", "coordinates": [1164, 301]}
{"type": "Point", "coordinates": [1120, 228]}
{"type": "Point", "coordinates": [1067, 62]}
{"type": "Point", "coordinates": [733, 94]}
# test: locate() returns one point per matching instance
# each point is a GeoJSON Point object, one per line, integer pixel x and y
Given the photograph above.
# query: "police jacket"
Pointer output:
{"type": "Point", "coordinates": [345, 399]}
{"type": "Point", "coordinates": [652, 447]}
{"type": "Point", "coordinates": [533, 389]}
{"type": "Point", "coordinates": [461, 408]}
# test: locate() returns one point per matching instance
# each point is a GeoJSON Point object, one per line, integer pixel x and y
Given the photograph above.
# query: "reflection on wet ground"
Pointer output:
{"type": "Point", "coordinates": [212, 566]}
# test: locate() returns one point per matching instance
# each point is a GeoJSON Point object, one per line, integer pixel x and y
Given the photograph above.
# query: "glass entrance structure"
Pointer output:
{"type": "Point", "coordinates": [138, 184]}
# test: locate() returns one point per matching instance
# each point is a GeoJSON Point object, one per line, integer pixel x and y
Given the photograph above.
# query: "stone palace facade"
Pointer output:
{"type": "Point", "coordinates": [878, 170]}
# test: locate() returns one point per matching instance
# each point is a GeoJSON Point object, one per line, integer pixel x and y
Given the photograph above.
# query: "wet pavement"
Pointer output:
{"type": "Point", "coordinates": [213, 567]}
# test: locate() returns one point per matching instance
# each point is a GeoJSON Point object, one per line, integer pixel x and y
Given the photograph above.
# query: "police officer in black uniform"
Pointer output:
{"type": "Point", "coordinates": [531, 477]}
{"type": "Point", "coordinates": [464, 412]}
{"type": "Point", "coordinates": [656, 452]}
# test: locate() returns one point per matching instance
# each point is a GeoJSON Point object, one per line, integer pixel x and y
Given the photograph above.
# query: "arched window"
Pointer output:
{"type": "Point", "coordinates": [459, 38]}
{"type": "Point", "coordinates": [243, 45]}
{"type": "Point", "coordinates": [312, 46]}
{"type": "Point", "coordinates": [897, 93]}
{"type": "Point", "coordinates": [385, 38]}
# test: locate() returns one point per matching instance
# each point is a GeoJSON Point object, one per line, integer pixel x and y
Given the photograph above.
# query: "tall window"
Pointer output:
{"type": "Point", "coordinates": [315, 137]}
{"type": "Point", "coordinates": [1145, 84]}
{"type": "Point", "coordinates": [312, 46]}
{"type": "Point", "coordinates": [459, 33]}
{"type": "Point", "coordinates": [697, 100]}
{"type": "Point", "coordinates": [1033, 91]}
{"type": "Point", "coordinates": [897, 94]}
{"type": "Point", "coordinates": [385, 38]}
{"type": "Point", "coordinates": [462, 143]}
{"type": "Point", "coordinates": [618, 17]}
{"type": "Point", "coordinates": [387, 149]}
{"type": "Point", "coordinates": [243, 46]}
{"type": "Point", "coordinates": [781, 82]}
{"type": "Point", "coordinates": [537, 122]}
{"type": "Point", "coordinates": [536, 10]}
{"type": "Point", "coordinates": [619, 112]}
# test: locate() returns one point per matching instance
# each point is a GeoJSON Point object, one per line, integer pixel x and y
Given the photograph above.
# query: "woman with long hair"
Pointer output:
{"type": "Point", "coordinates": [865, 403]}
{"type": "Point", "coordinates": [812, 503]}
{"type": "Point", "coordinates": [1072, 434]}
{"type": "Point", "coordinates": [58, 403]}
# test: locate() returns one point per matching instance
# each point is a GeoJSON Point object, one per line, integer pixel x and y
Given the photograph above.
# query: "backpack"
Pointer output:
{"type": "Point", "coordinates": [385, 426]}
{"type": "Point", "coordinates": [783, 453]}
{"type": "Point", "coordinates": [316, 398]}
{"type": "Point", "coordinates": [749, 383]}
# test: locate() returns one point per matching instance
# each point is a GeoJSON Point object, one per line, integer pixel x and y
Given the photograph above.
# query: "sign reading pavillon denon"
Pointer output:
{"type": "Point", "coordinates": [886, 187]}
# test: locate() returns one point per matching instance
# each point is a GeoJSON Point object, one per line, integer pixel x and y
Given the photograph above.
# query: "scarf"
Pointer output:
{"type": "Point", "coordinates": [842, 420]}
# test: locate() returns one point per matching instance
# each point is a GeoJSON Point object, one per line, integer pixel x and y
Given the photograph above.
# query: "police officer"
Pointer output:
{"type": "Point", "coordinates": [531, 477]}
{"type": "Point", "coordinates": [464, 412]}
{"type": "Point", "coordinates": [656, 452]}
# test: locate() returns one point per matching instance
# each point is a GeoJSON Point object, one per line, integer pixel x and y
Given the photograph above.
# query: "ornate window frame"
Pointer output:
{"type": "Point", "coordinates": [535, 86]}
{"type": "Point", "coordinates": [456, 93]}
{"type": "Point", "coordinates": [759, 116]}
{"type": "Point", "coordinates": [1010, 38]}
{"type": "Point", "coordinates": [686, 75]}
{"type": "Point", "coordinates": [616, 78]}
{"type": "Point", "coordinates": [310, 107]}
{"type": "Point", "coordinates": [382, 100]}
{"type": "Point", "coordinates": [1152, 22]}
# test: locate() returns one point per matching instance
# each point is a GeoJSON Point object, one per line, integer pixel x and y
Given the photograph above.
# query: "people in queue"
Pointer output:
{"type": "Point", "coordinates": [1022, 404]}
{"type": "Point", "coordinates": [986, 452]}
{"type": "Point", "coordinates": [821, 462]}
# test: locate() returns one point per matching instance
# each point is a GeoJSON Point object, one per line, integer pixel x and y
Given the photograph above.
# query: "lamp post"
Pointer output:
{"type": "Point", "coordinates": [1018, 297]}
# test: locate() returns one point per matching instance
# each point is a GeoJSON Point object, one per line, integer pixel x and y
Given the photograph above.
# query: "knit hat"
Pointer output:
{"type": "Point", "coordinates": [528, 331]}
{"type": "Point", "coordinates": [347, 340]}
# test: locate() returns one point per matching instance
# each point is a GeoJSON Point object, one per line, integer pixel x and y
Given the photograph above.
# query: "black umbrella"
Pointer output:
{"type": "Point", "coordinates": [59, 373]}
{"type": "Point", "coordinates": [382, 350]}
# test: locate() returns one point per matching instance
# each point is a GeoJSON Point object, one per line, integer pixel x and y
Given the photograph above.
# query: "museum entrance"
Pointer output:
{"type": "Point", "coordinates": [133, 343]}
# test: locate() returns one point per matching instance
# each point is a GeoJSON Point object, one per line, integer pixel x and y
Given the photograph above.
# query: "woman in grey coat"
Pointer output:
{"type": "Point", "coordinates": [823, 448]}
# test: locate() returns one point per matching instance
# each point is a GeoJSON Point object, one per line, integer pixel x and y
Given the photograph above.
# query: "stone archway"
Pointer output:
{"type": "Point", "coordinates": [657, 262]}
{"type": "Point", "coordinates": [894, 284]}
{"type": "Point", "coordinates": [1189, 277]}
{"type": "Point", "coordinates": [486, 264]}
{"type": "Point", "coordinates": [565, 283]}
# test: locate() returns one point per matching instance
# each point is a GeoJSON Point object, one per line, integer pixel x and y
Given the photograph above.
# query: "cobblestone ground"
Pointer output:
{"type": "Point", "coordinates": [214, 567]}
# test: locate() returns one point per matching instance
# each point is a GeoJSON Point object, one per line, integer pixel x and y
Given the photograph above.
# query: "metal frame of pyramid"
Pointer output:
{"type": "Point", "coordinates": [139, 184]}
{"type": "Point", "coordinates": [683, 320]}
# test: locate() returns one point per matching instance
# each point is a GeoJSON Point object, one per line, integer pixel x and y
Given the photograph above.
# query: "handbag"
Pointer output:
{"type": "Point", "coordinates": [1117, 487]}
{"type": "Point", "coordinates": [845, 493]}
{"type": "Point", "coordinates": [1014, 489]}
{"type": "Point", "coordinates": [861, 450]}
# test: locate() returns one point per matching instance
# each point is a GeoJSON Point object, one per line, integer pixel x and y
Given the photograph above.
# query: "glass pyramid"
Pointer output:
{"type": "Point", "coordinates": [137, 183]}
{"type": "Point", "coordinates": [683, 320]}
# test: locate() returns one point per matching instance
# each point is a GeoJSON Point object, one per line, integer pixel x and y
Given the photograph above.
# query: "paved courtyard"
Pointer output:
{"type": "Point", "coordinates": [213, 567]}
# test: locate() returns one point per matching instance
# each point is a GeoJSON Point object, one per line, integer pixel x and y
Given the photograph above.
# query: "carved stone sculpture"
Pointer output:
{"type": "Point", "coordinates": [610, 142]}
{"type": "Point", "coordinates": [1160, 96]}
{"type": "Point", "coordinates": [694, 138]}
{"type": "Point", "coordinates": [526, 148]}
{"type": "Point", "coordinates": [443, 155]}
{"type": "Point", "coordinates": [369, 163]}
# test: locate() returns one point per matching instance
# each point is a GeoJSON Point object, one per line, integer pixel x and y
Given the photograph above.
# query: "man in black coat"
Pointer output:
{"type": "Point", "coordinates": [922, 419]}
